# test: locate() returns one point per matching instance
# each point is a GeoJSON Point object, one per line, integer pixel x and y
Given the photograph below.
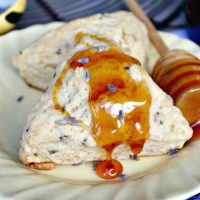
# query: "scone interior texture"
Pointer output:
{"type": "Point", "coordinates": [47, 138]}
{"type": "Point", "coordinates": [37, 62]}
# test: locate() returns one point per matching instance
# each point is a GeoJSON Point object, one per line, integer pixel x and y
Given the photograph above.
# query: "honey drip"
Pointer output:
{"type": "Point", "coordinates": [120, 114]}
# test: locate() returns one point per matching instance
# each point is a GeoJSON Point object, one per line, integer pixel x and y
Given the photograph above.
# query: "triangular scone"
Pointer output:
{"type": "Point", "coordinates": [49, 137]}
{"type": "Point", "coordinates": [37, 62]}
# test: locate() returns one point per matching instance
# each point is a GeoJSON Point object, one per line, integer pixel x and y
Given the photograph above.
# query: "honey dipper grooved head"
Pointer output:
{"type": "Point", "coordinates": [178, 74]}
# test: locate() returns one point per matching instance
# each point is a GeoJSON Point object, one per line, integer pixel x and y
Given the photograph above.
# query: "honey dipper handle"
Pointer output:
{"type": "Point", "coordinates": [152, 32]}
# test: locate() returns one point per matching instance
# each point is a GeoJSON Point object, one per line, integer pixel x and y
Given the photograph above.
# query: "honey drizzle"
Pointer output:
{"type": "Point", "coordinates": [108, 67]}
{"type": "Point", "coordinates": [61, 76]}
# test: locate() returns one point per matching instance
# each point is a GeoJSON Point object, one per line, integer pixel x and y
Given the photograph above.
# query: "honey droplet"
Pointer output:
{"type": "Point", "coordinates": [109, 169]}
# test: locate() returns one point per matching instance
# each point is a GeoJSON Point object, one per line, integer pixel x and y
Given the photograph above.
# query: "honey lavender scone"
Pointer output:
{"type": "Point", "coordinates": [101, 104]}
{"type": "Point", "coordinates": [37, 62]}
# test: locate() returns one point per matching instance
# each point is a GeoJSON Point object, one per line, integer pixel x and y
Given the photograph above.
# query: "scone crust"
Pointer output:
{"type": "Point", "coordinates": [41, 166]}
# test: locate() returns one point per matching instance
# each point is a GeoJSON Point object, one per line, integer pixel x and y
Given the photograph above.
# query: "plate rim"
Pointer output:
{"type": "Point", "coordinates": [53, 25]}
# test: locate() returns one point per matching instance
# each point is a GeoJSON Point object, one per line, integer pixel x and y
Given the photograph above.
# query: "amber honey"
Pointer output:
{"type": "Point", "coordinates": [119, 105]}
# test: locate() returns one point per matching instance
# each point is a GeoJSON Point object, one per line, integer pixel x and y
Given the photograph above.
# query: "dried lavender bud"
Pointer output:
{"type": "Point", "coordinates": [121, 116]}
{"type": "Point", "coordinates": [123, 176]}
{"type": "Point", "coordinates": [83, 60]}
{"type": "Point", "coordinates": [58, 51]}
{"type": "Point", "coordinates": [102, 48]}
{"type": "Point", "coordinates": [173, 152]}
{"type": "Point", "coordinates": [94, 165]}
{"type": "Point", "coordinates": [111, 87]}
{"type": "Point", "coordinates": [63, 137]}
{"type": "Point", "coordinates": [87, 76]}
{"type": "Point", "coordinates": [77, 164]}
{"type": "Point", "coordinates": [161, 122]}
{"type": "Point", "coordinates": [52, 151]}
{"type": "Point", "coordinates": [133, 157]}
{"type": "Point", "coordinates": [69, 118]}
{"type": "Point", "coordinates": [84, 141]}
{"type": "Point", "coordinates": [19, 98]}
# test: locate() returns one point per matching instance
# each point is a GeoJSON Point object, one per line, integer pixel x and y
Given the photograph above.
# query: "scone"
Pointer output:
{"type": "Point", "coordinates": [101, 103]}
{"type": "Point", "coordinates": [37, 62]}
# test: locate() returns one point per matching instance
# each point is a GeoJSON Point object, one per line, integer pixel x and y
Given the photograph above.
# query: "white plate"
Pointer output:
{"type": "Point", "coordinates": [166, 177]}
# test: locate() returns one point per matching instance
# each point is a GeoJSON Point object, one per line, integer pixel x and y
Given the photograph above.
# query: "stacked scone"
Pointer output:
{"type": "Point", "coordinates": [37, 62]}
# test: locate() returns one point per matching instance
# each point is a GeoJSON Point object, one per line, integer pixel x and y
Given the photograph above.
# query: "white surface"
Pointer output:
{"type": "Point", "coordinates": [178, 177]}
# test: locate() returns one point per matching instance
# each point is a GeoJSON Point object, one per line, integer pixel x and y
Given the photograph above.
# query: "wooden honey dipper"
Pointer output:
{"type": "Point", "coordinates": [177, 72]}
